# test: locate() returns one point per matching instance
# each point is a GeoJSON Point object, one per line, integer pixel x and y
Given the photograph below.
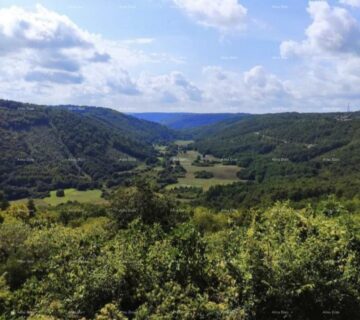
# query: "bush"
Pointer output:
{"type": "Point", "coordinates": [204, 175]}
{"type": "Point", "coordinates": [60, 193]}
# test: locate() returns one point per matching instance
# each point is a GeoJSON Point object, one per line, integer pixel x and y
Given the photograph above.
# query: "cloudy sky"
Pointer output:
{"type": "Point", "coordinates": [183, 55]}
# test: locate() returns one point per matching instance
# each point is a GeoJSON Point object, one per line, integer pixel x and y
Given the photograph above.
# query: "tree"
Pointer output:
{"type": "Point", "coordinates": [4, 203]}
{"type": "Point", "coordinates": [110, 311]}
{"type": "Point", "coordinates": [60, 193]}
{"type": "Point", "coordinates": [141, 202]}
{"type": "Point", "coordinates": [31, 207]}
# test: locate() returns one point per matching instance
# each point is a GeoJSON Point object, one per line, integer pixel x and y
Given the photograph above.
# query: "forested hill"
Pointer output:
{"type": "Point", "coordinates": [181, 121]}
{"type": "Point", "coordinates": [143, 129]}
{"type": "Point", "coordinates": [287, 156]}
{"type": "Point", "coordinates": [44, 148]}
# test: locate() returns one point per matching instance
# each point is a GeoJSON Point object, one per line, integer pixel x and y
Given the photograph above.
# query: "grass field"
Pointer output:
{"type": "Point", "coordinates": [183, 143]}
{"type": "Point", "coordinates": [90, 196]}
{"type": "Point", "coordinates": [222, 174]}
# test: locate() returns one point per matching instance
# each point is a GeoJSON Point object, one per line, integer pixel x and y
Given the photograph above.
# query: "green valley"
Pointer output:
{"type": "Point", "coordinates": [103, 216]}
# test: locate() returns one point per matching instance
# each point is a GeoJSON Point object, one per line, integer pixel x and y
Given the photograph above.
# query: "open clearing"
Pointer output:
{"type": "Point", "coordinates": [183, 143]}
{"type": "Point", "coordinates": [90, 196]}
{"type": "Point", "coordinates": [222, 174]}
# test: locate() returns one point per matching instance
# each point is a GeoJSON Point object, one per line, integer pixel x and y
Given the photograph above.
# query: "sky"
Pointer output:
{"type": "Point", "coordinates": [201, 56]}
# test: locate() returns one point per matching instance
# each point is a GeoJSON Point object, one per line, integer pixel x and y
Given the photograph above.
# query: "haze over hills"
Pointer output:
{"type": "Point", "coordinates": [180, 121]}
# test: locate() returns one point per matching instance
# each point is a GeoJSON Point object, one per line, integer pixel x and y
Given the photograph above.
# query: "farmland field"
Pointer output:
{"type": "Point", "coordinates": [223, 174]}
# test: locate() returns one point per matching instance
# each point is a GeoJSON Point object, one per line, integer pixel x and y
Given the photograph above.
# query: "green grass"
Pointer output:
{"type": "Point", "coordinates": [38, 202]}
{"type": "Point", "coordinates": [222, 174]}
{"type": "Point", "coordinates": [89, 196]}
{"type": "Point", "coordinates": [183, 143]}
{"type": "Point", "coordinates": [160, 148]}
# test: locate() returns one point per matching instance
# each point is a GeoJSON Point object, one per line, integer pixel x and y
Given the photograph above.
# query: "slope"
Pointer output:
{"type": "Point", "coordinates": [287, 156]}
{"type": "Point", "coordinates": [44, 148]}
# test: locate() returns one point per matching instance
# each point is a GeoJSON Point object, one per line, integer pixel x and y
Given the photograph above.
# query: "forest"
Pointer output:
{"type": "Point", "coordinates": [250, 218]}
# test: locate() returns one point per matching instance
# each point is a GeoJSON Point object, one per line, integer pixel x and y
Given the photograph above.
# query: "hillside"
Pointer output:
{"type": "Point", "coordinates": [45, 148]}
{"type": "Point", "coordinates": [181, 121]}
{"type": "Point", "coordinates": [142, 129]}
{"type": "Point", "coordinates": [286, 156]}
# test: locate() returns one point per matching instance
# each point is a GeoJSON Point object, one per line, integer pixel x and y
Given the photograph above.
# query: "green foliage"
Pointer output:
{"type": "Point", "coordinates": [285, 156]}
{"type": "Point", "coordinates": [203, 175]}
{"type": "Point", "coordinates": [144, 255]}
{"type": "Point", "coordinates": [31, 207]}
{"type": "Point", "coordinates": [60, 193]}
{"type": "Point", "coordinates": [4, 203]}
{"type": "Point", "coordinates": [296, 262]}
{"type": "Point", "coordinates": [48, 148]}
{"type": "Point", "coordinates": [74, 261]}
{"type": "Point", "coordinates": [140, 202]}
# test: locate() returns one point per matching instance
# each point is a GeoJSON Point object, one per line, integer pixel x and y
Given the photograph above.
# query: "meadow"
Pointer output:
{"type": "Point", "coordinates": [223, 174]}
{"type": "Point", "coordinates": [89, 196]}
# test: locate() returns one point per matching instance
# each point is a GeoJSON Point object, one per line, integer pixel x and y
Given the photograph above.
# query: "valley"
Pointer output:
{"type": "Point", "coordinates": [105, 216]}
{"type": "Point", "coordinates": [222, 174]}
{"type": "Point", "coordinates": [179, 160]}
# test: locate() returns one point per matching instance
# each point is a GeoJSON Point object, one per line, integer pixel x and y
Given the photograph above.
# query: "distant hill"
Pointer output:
{"type": "Point", "coordinates": [44, 148]}
{"type": "Point", "coordinates": [286, 156]}
{"type": "Point", "coordinates": [143, 129]}
{"type": "Point", "coordinates": [181, 121]}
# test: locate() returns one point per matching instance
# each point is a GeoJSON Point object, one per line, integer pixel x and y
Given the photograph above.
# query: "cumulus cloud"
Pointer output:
{"type": "Point", "coordinates": [353, 3]}
{"type": "Point", "coordinates": [327, 76]}
{"type": "Point", "coordinates": [262, 84]}
{"type": "Point", "coordinates": [224, 15]}
{"type": "Point", "coordinates": [170, 88]}
{"type": "Point", "coordinates": [47, 58]}
{"type": "Point", "coordinates": [41, 29]}
{"type": "Point", "coordinates": [53, 47]}
{"type": "Point", "coordinates": [121, 82]}
{"type": "Point", "coordinates": [333, 31]}
{"type": "Point", "coordinates": [248, 91]}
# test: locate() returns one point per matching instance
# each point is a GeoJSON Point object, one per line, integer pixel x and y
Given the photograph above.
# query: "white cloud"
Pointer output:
{"type": "Point", "coordinates": [47, 58]}
{"type": "Point", "coordinates": [327, 73]}
{"type": "Point", "coordinates": [170, 88]}
{"type": "Point", "coordinates": [224, 15]}
{"type": "Point", "coordinates": [261, 84]}
{"type": "Point", "coordinates": [41, 29]}
{"type": "Point", "coordinates": [249, 91]}
{"type": "Point", "coordinates": [51, 46]}
{"type": "Point", "coordinates": [353, 3]}
{"type": "Point", "coordinates": [333, 31]}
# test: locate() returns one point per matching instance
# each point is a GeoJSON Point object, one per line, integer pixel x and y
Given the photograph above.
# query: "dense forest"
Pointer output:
{"type": "Point", "coordinates": [46, 148]}
{"type": "Point", "coordinates": [285, 156]}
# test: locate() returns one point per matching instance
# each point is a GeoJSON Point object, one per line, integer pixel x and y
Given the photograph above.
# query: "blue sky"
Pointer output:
{"type": "Point", "coordinates": [183, 55]}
